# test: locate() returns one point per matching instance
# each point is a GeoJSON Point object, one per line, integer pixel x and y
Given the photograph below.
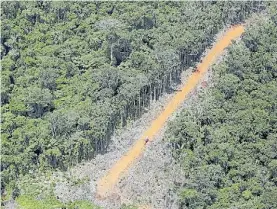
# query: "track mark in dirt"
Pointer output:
{"type": "Point", "coordinates": [107, 183]}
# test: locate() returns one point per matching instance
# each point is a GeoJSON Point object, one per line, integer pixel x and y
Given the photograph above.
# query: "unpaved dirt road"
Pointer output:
{"type": "Point", "coordinates": [107, 183]}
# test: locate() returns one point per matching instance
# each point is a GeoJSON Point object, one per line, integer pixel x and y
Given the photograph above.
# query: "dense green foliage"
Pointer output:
{"type": "Point", "coordinates": [27, 202]}
{"type": "Point", "coordinates": [227, 143]}
{"type": "Point", "coordinates": [72, 72]}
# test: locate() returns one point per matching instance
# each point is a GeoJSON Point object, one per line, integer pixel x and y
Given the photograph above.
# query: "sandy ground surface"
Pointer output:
{"type": "Point", "coordinates": [108, 182]}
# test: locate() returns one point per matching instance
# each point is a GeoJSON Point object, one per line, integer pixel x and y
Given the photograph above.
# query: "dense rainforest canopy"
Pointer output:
{"type": "Point", "coordinates": [227, 142]}
{"type": "Point", "coordinates": [72, 72]}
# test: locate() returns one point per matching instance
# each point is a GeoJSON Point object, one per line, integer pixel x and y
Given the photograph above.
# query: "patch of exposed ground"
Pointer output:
{"type": "Point", "coordinates": [151, 179]}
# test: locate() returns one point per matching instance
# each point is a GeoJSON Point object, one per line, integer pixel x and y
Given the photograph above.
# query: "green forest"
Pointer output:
{"type": "Point", "coordinates": [228, 146]}
{"type": "Point", "coordinates": [74, 72]}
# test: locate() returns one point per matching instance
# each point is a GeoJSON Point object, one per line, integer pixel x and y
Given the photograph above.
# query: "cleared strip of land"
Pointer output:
{"type": "Point", "coordinates": [107, 183]}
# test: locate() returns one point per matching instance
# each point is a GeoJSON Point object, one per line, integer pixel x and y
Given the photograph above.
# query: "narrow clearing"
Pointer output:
{"type": "Point", "coordinates": [108, 182]}
{"type": "Point", "coordinates": [149, 181]}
